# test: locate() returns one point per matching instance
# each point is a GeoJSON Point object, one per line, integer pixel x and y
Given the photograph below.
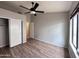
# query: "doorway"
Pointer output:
{"type": "Point", "coordinates": [4, 32]}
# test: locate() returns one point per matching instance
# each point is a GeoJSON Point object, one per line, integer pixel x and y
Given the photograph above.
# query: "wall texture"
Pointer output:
{"type": "Point", "coordinates": [11, 15]}
{"type": "Point", "coordinates": [52, 28]}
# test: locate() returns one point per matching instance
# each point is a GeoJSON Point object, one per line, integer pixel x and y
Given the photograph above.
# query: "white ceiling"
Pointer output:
{"type": "Point", "coordinates": [47, 6]}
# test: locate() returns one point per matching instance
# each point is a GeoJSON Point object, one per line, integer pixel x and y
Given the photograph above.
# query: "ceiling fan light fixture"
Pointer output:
{"type": "Point", "coordinates": [33, 12]}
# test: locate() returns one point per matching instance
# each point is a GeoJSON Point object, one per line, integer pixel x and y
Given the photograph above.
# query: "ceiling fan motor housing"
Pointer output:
{"type": "Point", "coordinates": [32, 9]}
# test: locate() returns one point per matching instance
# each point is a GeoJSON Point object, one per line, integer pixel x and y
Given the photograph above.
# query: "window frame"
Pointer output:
{"type": "Point", "coordinates": [76, 30]}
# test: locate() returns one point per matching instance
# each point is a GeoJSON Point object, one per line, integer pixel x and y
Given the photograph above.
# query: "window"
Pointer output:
{"type": "Point", "coordinates": [74, 24]}
{"type": "Point", "coordinates": [78, 33]}
{"type": "Point", "coordinates": [74, 31]}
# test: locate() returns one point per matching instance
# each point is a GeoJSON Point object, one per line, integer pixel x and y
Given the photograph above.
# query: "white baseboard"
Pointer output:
{"type": "Point", "coordinates": [3, 45]}
{"type": "Point", "coordinates": [53, 43]}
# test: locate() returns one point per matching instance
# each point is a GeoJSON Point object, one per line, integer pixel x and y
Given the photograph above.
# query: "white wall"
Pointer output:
{"type": "Point", "coordinates": [52, 28]}
{"type": "Point", "coordinates": [11, 15]}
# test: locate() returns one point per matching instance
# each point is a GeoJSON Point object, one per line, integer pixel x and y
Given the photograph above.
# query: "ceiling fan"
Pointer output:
{"type": "Point", "coordinates": [32, 10]}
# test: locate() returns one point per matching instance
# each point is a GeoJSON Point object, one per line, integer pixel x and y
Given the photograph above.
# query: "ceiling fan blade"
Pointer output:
{"type": "Point", "coordinates": [40, 11]}
{"type": "Point", "coordinates": [34, 14]}
{"type": "Point", "coordinates": [36, 5]}
{"type": "Point", "coordinates": [20, 12]}
{"type": "Point", "coordinates": [32, 4]}
{"type": "Point", "coordinates": [26, 12]}
{"type": "Point", "coordinates": [24, 7]}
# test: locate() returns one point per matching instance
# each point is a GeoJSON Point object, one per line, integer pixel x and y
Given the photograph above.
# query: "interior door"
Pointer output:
{"type": "Point", "coordinates": [32, 30]}
{"type": "Point", "coordinates": [14, 32]}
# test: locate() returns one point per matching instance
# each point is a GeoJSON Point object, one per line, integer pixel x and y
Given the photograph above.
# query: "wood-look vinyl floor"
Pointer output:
{"type": "Point", "coordinates": [34, 49]}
